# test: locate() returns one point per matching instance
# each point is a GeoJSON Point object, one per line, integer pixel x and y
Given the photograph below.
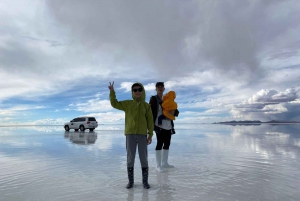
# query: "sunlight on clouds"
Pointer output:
{"type": "Point", "coordinates": [274, 109]}
{"type": "Point", "coordinates": [59, 121]}
{"type": "Point", "coordinates": [216, 111]}
{"type": "Point", "coordinates": [297, 142]}
{"type": "Point", "coordinates": [125, 85]}
{"type": "Point", "coordinates": [9, 116]}
{"type": "Point", "coordinates": [198, 117]}
{"type": "Point", "coordinates": [297, 101]}
{"type": "Point", "coordinates": [25, 9]}
{"type": "Point", "coordinates": [150, 87]}
{"type": "Point", "coordinates": [272, 96]}
{"type": "Point", "coordinates": [6, 120]}
{"type": "Point", "coordinates": [7, 112]}
{"type": "Point", "coordinates": [270, 102]}
{"type": "Point", "coordinates": [92, 105]}
{"type": "Point", "coordinates": [192, 79]}
{"type": "Point", "coordinates": [109, 117]}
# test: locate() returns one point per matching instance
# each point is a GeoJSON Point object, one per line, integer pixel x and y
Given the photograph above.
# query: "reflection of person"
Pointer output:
{"type": "Point", "coordinates": [165, 185]}
{"type": "Point", "coordinates": [163, 132]}
{"type": "Point", "coordinates": [138, 120]}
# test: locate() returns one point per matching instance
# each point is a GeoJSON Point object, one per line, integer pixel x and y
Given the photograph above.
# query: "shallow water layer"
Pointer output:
{"type": "Point", "coordinates": [212, 162]}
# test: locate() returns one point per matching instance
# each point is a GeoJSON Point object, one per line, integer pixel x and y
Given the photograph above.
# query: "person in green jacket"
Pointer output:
{"type": "Point", "coordinates": [138, 129]}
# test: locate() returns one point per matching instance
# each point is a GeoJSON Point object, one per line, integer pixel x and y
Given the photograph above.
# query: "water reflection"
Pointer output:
{"type": "Point", "coordinates": [164, 186]}
{"type": "Point", "coordinates": [83, 138]}
{"type": "Point", "coordinates": [212, 162]}
{"type": "Point", "coordinates": [134, 194]}
{"type": "Point", "coordinates": [21, 130]}
{"type": "Point", "coordinates": [270, 140]}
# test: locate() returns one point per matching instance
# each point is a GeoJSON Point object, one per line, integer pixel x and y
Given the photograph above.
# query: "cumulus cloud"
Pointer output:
{"type": "Point", "coordinates": [267, 104]}
{"type": "Point", "coordinates": [267, 97]}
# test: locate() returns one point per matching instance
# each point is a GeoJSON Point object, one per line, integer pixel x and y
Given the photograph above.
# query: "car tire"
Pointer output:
{"type": "Point", "coordinates": [67, 128]}
{"type": "Point", "coordinates": [81, 128]}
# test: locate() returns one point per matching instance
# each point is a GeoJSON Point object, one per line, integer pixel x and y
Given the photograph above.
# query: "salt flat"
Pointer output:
{"type": "Point", "coordinates": [212, 162]}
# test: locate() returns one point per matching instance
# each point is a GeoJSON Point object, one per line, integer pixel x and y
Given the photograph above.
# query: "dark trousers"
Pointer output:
{"type": "Point", "coordinates": [163, 139]}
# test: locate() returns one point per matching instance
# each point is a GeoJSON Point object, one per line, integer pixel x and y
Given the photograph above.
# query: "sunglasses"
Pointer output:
{"type": "Point", "coordinates": [139, 89]}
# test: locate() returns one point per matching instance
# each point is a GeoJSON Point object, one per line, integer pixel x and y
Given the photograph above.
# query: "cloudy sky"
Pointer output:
{"type": "Point", "coordinates": [226, 60]}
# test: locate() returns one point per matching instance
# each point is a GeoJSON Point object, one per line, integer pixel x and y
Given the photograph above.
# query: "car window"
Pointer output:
{"type": "Point", "coordinates": [92, 119]}
{"type": "Point", "coordinates": [77, 119]}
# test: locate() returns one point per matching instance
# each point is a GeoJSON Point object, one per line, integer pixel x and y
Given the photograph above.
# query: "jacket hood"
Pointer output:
{"type": "Point", "coordinates": [168, 101]}
{"type": "Point", "coordinates": [171, 95]}
{"type": "Point", "coordinates": [143, 96]}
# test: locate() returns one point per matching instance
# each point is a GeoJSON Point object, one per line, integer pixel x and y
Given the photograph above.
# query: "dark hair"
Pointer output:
{"type": "Point", "coordinates": [134, 85]}
{"type": "Point", "coordinates": [159, 84]}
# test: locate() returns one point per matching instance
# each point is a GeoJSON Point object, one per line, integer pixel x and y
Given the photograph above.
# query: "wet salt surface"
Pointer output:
{"type": "Point", "coordinates": [212, 162]}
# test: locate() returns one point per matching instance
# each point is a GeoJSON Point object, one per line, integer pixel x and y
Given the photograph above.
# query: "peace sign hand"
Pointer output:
{"type": "Point", "coordinates": [111, 86]}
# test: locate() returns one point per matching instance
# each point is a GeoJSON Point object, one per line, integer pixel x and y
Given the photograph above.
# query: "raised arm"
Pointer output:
{"type": "Point", "coordinates": [113, 100]}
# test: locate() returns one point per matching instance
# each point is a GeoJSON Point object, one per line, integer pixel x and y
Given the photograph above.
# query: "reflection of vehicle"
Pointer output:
{"type": "Point", "coordinates": [81, 123]}
{"type": "Point", "coordinates": [83, 138]}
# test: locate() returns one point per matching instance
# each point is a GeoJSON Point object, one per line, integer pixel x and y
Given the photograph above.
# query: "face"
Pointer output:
{"type": "Point", "coordinates": [160, 89]}
{"type": "Point", "coordinates": [137, 91]}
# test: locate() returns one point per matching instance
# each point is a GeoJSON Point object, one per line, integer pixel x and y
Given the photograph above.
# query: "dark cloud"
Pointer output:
{"type": "Point", "coordinates": [18, 58]}
{"type": "Point", "coordinates": [284, 55]}
{"type": "Point", "coordinates": [153, 30]}
{"type": "Point", "coordinates": [53, 43]}
{"type": "Point", "coordinates": [293, 112]}
{"type": "Point", "coordinates": [182, 36]}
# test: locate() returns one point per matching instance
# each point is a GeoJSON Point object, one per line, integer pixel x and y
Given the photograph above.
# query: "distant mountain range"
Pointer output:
{"type": "Point", "coordinates": [258, 122]}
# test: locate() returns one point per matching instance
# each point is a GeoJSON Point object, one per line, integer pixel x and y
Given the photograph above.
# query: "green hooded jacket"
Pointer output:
{"type": "Point", "coordinates": [138, 113]}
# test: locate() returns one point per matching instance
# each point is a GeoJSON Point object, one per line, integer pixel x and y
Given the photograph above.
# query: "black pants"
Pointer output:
{"type": "Point", "coordinates": [163, 139]}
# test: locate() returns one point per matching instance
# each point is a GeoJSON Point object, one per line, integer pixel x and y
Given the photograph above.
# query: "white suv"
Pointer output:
{"type": "Point", "coordinates": [81, 123]}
